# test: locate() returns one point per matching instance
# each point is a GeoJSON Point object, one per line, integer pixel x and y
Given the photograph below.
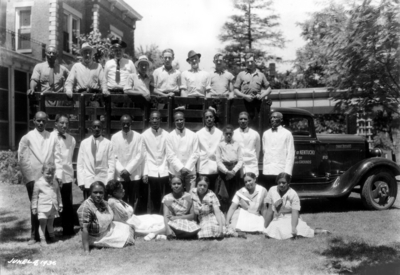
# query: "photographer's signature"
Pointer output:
{"type": "Point", "coordinates": [35, 262]}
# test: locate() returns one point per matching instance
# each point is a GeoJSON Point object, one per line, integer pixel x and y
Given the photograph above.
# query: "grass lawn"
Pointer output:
{"type": "Point", "coordinates": [363, 242]}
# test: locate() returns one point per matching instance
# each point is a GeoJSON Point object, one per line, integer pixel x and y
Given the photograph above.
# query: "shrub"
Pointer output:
{"type": "Point", "coordinates": [9, 168]}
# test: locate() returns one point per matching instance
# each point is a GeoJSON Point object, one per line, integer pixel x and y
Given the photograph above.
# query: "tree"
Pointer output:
{"type": "Point", "coordinates": [252, 29]}
{"type": "Point", "coordinates": [357, 49]}
{"type": "Point", "coordinates": [153, 54]}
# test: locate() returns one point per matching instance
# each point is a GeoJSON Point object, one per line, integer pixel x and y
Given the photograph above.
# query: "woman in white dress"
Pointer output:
{"type": "Point", "coordinates": [282, 218]}
{"type": "Point", "coordinates": [96, 221]}
{"type": "Point", "coordinates": [145, 225]}
{"type": "Point", "coordinates": [247, 209]}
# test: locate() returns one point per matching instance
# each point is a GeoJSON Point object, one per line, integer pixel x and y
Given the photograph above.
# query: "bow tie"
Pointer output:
{"type": "Point", "coordinates": [61, 135]}
{"type": "Point", "coordinates": [274, 129]}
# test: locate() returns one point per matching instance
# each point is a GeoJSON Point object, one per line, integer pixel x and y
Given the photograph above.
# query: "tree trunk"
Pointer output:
{"type": "Point", "coordinates": [249, 28]}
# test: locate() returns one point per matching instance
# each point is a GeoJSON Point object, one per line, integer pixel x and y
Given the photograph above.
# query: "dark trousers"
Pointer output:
{"type": "Point", "coordinates": [67, 215]}
{"type": "Point", "coordinates": [213, 180]}
{"type": "Point", "coordinates": [136, 193]}
{"type": "Point", "coordinates": [253, 108]}
{"type": "Point", "coordinates": [157, 191]}
{"type": "Point", "coordinates": [34, 218]}
{"type": "Point", "coordinates": [267, 181]}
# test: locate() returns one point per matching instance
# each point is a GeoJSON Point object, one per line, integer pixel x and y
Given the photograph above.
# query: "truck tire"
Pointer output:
{"type": "Point", "coordinates": [379, 190]}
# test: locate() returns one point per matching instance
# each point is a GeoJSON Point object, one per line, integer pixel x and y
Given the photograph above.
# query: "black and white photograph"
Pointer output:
{"type": "Point", "coordinates": [199, 137]}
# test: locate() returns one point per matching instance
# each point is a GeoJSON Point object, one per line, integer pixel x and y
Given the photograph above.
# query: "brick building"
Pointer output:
{"type": "Point", "coordinates": [27, 27]}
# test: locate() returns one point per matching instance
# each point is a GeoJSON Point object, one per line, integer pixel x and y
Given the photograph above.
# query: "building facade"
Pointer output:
{"type": "Point", "coordinates": [27, 27]}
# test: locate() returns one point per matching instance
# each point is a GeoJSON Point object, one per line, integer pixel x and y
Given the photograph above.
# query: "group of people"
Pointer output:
{"type": "Point", "coordinates": [121, 76]}
{"type": "Point", "coordinates": [203, 183]}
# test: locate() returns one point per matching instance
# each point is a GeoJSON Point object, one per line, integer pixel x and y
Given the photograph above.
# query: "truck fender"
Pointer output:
{"type": "Point", "coordinates": [345, 183]}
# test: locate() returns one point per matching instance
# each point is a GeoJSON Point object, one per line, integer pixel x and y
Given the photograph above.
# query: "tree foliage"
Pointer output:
{"type": "Point", "coordinates": [252, 29]}
{"type": "Point", "coordinates": [357, 48]}
{"type": "Point", "coordinates": [153, 54]}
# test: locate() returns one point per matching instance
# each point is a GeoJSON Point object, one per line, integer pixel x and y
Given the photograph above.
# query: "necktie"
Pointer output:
{"type": "Point", "coordinates": [51, 78]}
{"type": "Point", "coordinates": [117, 73]}
{"type": "Point", "coordinates": [61, 135]}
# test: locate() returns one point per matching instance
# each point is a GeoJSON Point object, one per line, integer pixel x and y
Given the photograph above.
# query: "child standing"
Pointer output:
{"type": "Point", "coordinates": [46, 202]}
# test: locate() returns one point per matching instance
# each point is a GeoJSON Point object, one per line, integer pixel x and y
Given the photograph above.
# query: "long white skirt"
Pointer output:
{"type": "Point", "coordinates": [281, 228]}
{"type": "Point", "coordinates": [248, 222]}
{"type": "Point", "coordinates": [145, 224]}
{"type": "Point", "coordinates": [118, 235]}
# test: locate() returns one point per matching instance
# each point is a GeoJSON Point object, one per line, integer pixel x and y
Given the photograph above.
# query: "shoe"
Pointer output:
{"type": "Point", "coordinates": [43, 243]}
{"type": "Point", "coordinates": [161, 238]}
{"type": "Point", "coordinates": [149, 237]}
{"type": "Point", "coordinates": [32, 242]}
{"type": "Point", "coordinates": [53, 240]}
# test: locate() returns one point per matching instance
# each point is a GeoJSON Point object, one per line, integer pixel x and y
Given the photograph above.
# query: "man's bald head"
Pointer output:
{"type": "Point", "coordinates": [40, 115]}
{"type": "Point", "coordinates": [179, 114]}
{"type": "Point", "coordinates": [126, 118]}
{"type": "Point", "coordinates": [277, 114]}
{"type": "Point", "coordinates": [40, 121]}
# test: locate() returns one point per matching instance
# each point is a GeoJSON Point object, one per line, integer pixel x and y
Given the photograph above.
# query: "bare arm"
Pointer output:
{"type": "Point", "coordinates": [85, 240]}
{"type": "Point", "coordinates": [295, 221]}
{"type": "Point", "coordinates": [231, 210]}
{"type": "Point", "coordinates": [268, 214]}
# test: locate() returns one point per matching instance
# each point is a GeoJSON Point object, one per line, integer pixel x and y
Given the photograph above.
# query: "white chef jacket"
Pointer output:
{"type": "Point", "coordinates": [278, 148]}
{"type": "Point", "coordinates": [208, 143]}
{"type": "Point", "coordinates": [249, 141]}
{"type": "Point", "coordinates": [182, 151]}
{"type": "Point", "coordinates": [96, 161]}
{"type": "Point", "coordinates": [35, 149]}
{"type": "Point", "coordinates": [63, 153]}
{"type": "Point", "coordinates": [156, 152]}
{"type": "Point", "coordinates": [129, 154]}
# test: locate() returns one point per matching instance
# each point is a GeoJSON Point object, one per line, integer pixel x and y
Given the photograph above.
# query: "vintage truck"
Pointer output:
{"type": "Point", "coordinates": [328, 166]}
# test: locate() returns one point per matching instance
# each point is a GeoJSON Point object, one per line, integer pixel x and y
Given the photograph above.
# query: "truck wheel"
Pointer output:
{"type": "Point", "coordinates": [379, 190]}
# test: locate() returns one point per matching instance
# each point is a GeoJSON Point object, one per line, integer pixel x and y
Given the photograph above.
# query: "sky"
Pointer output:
{"type": "Point", "coordinates": [185, 25]}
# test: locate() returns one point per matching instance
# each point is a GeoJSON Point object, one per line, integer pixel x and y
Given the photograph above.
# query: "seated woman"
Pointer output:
{"type": "Point", "coordinates": [144, 225]}
{"type": "Point", "coordinates": [179, 213]}
{"type": "Point", "coordinates": [247, 209]}
{"type": "Point", "coordinates": [96, 221]}
{"type": "Point", "coordinates": [282, 218]}
{"type": "Point", "coordinates": [206, 209]}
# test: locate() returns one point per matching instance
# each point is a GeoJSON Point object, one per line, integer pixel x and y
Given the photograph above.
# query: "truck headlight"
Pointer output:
{"type": "Point", "coordinates": [376, 152]}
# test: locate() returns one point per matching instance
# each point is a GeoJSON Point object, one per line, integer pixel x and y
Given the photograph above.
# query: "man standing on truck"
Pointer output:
{"type": "Point", "coordinates": [34, 150]}
{"type": "Point", "coordinates": [250, 142]}
{"type": "Point", "coordinates": [278, 149]}
{"type": "Point", "coordinates": [221, 79]}
{"type": "Point", "coordinates": [252, 86]}
{"type": "Point", "coordinates": [85, 76]}
{"type": "Point", "coordinates": [64, 147]}
{"type": "Point", "coordinates": [96, 161]}
{"type": "Point", "coordinates": [167, 79]}
{"type": "Point", "coordinates": [129, 155]}
{"type": "Point", "coordinates": [49, 75]}
{"type": "Point", "coordinates": [117, 70]}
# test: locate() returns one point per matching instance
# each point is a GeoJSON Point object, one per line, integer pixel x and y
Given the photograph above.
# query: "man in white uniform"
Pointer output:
{"type": "Point", "coordinates": [250, 142]}
{"type": "Point", "coordinates": [182, 152]}
{"type": "Point", "coordinates": [156, 167]}
{"type": "Point", "coordinates": [129, 154]}
{"type": "Point", "coordinates": [209, 138]}
{"type": "Point", "coordinates": [34, 150]}
{"type": "Point", "coordinates": [96, 161]}
{"type": "Point", "coordinates": [63, 153]}
{"type": "Point", "coordinates": [278, 148]}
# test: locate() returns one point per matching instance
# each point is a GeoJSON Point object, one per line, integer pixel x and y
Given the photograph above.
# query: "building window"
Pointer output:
{"type": "Point", "coordinates": [116, 33]}
{"type": "Point", "coordinates": [71, 28]}
{"type": "Point", "coordinates": [23, 28]}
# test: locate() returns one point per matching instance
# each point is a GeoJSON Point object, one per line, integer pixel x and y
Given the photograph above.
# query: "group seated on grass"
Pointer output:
{"type": "Point", "coordinates": [193, 215]}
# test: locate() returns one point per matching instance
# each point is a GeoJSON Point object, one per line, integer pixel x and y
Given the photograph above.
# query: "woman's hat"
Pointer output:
{"type": "Point", "coordinates": [191, 54]}
{"type": "Point", "coordinates": [142, 58]}
{"type": "Point", "coordinates": [118, 43]}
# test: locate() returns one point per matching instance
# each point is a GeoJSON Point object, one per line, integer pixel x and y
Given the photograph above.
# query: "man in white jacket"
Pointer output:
{"type": "Point", "coordinates": [156, 167]}
{"type": "Point", "coordinates": [278, 148]}
{"type": "Point", "coordinates": [96, 161]}
{"type": "Point", "coordinates": [129, 154]}
{"type": "Point", "coordinates": [63, 152]}
{"type": "Point", "coordinates": [35, 149]}
{"type": "Point", "coordinates": [182, 152]}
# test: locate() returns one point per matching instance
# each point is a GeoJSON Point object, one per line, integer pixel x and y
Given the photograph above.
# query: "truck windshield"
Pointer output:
{"type": "Point", "coordinates": [298, 125]}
